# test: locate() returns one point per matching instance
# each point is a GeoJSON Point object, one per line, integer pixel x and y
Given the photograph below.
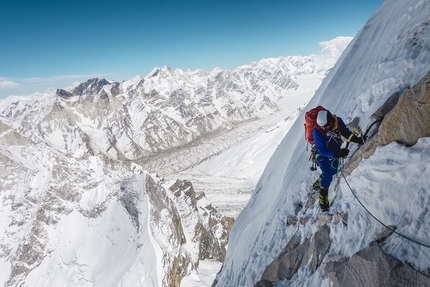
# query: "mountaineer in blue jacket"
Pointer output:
{"type": "Point", "coordinates": [328, 141]}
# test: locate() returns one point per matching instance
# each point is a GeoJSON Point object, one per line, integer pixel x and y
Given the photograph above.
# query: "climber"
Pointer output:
{"type": "Point", "coordinates": [327, 135]}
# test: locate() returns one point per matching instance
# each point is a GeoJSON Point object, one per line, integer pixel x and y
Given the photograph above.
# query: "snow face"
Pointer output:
{"type": "Point", "coordinates": [110, 243]}
{"type": "Point", "coordinates": [389, 54]}
{"type": "Point", "coordinates": [393, 184]}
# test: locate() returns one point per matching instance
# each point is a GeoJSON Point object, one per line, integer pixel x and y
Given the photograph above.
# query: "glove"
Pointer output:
{"type": "Point", "coordinates": [356, 139]}
{"type": "Point", "coordinates": [341, 153]}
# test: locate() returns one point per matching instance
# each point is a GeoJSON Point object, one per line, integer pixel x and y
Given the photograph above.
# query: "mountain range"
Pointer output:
{"type": "Point", "coordinates": [84, 198]}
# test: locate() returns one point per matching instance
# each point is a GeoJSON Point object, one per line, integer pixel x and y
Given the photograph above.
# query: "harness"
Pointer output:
{"type": "Point", "coordinates": [335, 136]}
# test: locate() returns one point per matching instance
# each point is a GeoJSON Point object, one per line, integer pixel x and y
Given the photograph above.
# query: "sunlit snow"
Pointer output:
{"type": "Point", "coordinates": [393, 183]}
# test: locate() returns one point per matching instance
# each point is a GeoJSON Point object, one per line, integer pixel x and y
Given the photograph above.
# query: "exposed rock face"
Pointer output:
{"type": "Point", "coordinates": [370, 266]}
{"type": "Point", "coordinates": [373, 267]}
{"type": "Point", "coordinates": [263, 283]}
{"type": "Point", "coordinates": [64, 94]}
{"type": "Point", "coordinates": [193, 221]}
{"type": "Point", "coordinates": [409, 120]}
{"type": "Point", "coordinates": [296, 255]}
{"type": "Point", "coordinates": [405, 123]}
{"type": "Point", "coordinates": [389, 104]}
{"type": "Point", "coordinates": [91, 87]}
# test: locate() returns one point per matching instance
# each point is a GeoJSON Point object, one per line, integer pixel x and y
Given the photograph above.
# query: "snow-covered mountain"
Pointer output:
{"type": "Point", "coordinates": [277, 238]}
{"type": "Point", "coordinates": [82, 199]}
{"type": "Point", "coordinates": [165, 110]}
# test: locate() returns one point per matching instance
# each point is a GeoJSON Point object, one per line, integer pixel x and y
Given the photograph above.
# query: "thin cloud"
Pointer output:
{"type": "Point", "coordinates": [26, 86]}
{"type": "Point", "coordinates": [72, 77]}
{"type": "Point", "coordinates": [6, 84]}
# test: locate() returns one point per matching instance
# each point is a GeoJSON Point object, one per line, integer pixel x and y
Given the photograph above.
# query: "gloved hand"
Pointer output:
{"type": "Point", "coordinates": [341, 153]}
{"type": "Point", "coordinates": [356, 139]}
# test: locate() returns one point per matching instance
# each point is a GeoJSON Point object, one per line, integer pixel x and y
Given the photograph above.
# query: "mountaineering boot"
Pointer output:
{"type": "Point", "coordinates": [317, 184]}
{"type": "Point", "coordinates": [323, 199]}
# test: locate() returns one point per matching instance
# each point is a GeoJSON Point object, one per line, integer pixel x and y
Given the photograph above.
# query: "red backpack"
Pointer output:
{"type": "Point", "coordinates": [311, 123]}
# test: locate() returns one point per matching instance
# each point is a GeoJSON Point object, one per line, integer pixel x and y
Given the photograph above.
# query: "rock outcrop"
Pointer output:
{"type": "Point", "coordinates": [406, 118]}
{"type": "Point", "coordinates": [370, 266]}
{"type": "Point", "coordinates": [190, 220]}
{"type": "Point", "coordinates": [296, 255]}
{"type": "Point", "coordinates": [373, 267]}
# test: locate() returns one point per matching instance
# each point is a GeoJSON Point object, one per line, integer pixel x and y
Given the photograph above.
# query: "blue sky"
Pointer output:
{"type": "Point", "coordinates": [54, 43]}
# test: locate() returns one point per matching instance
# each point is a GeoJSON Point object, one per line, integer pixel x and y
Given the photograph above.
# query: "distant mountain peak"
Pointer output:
{"type": "Point", "coordinates": [90, 87]}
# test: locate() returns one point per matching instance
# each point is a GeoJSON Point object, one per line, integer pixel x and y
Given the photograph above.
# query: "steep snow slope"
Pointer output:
{"type": "Point", "coordinates": [390, 53]}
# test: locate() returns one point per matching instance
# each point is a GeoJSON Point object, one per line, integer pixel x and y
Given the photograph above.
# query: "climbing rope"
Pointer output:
{"type": "Point", "coordinates": [374, 217]}
{"type": "Point", "coordinates": [390, 228]}
{"type": "Point", "coordinates": [340, 169]}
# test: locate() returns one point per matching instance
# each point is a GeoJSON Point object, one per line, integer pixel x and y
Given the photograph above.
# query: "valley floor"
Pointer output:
{"type": "Point", "coordinates": [227, 168]}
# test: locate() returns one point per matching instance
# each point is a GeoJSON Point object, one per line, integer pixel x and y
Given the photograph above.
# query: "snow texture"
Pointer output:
{"type": "Point", "coordinates": [390, 53]}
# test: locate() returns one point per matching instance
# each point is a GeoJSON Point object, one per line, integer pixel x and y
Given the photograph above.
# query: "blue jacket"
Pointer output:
{"type": "Point", "coordinates": [326, 144]}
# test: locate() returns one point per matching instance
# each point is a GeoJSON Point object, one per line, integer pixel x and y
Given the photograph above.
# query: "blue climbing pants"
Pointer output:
{"type": "Point", "coordinates": [329, 167]}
